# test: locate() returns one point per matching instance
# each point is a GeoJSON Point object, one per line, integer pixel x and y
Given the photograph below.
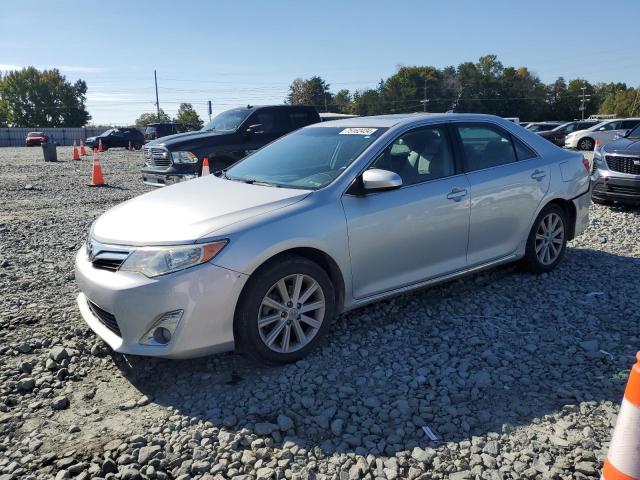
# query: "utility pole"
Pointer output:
{"type": "Point", "coordinates": [155, 78]}
{"type": "Point", "coordinates": [325, 102]}
{"type": "Point", "coordinates": [424, 102]}
{"type": "Point", "coordinates": [585, 98]}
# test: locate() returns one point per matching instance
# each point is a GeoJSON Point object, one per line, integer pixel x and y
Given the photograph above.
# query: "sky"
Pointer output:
{"type": "Point", "coordinates": [237, 53]}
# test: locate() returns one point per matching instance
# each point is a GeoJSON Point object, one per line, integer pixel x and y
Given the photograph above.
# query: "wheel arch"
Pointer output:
{"type": "Point", "coordinates": [569, 210]}
{"type": "Point", "coordinates": [321, 258]}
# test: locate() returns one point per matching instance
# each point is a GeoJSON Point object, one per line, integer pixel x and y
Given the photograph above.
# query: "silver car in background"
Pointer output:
{"type": "Point", "coordinates": [328, 218]}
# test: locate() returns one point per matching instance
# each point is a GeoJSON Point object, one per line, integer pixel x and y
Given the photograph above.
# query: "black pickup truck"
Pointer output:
{"type": "Point", "coordinates": [229, 137]}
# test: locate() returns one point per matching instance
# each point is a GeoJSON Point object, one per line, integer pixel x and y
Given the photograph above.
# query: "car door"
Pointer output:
{"type": "Point", "coordinates": [508, 180]}
{"type": "Point", "coordinates": [607, 132]}
{"type": "Point", "coordinates": [418, 231]}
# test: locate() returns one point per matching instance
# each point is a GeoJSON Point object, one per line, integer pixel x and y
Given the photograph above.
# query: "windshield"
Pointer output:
{"type": "Point", "coordinates": [228, 121]}
{"type": "Point", "coordinates": [108, 132]}
{"type": "Point", "coordinates": [635, 133]}
{"type": "Point", "coordinates": [309, 158]}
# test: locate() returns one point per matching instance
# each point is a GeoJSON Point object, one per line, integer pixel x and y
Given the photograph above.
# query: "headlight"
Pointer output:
{"type": "Point", "coordinates": [155, 261]}
{"type": "Point", "coordinates": [184, 157]}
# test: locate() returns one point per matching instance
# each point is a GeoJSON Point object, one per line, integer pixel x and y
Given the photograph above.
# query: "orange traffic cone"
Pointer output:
{"type": "Point", "coordinates": [100, 149]}
{"type": "Point", "coordinates": [596, 145]}
{"type": "Point", "coordinates": [623, 459]}
{"type": "Point", "coordinates": [96, 178]}
{"type": "Point", "coordinates": [83, 152]}
{"type": "Point", "coordinates": [76, 156]}
{"type": "Point", "coordinates": [205, 166]}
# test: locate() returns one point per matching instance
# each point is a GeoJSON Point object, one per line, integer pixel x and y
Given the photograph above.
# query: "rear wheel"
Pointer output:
{"type": "Point", "coordinates": [285, 309]}
{"type": "Point", "coordinates": [547, 240]}
{"type": "Point", "coordinates": [586, 144]}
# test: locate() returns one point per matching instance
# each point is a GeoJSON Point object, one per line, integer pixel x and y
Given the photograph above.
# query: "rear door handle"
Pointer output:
{"type": "Point", "coordinates": [538, 175]}
{"type": "Point", "coordinates": [457, 194]}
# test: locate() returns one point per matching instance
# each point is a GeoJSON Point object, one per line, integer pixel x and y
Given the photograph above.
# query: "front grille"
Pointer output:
{"type": "Point", "coordinates": [111, 264]}
{"type": "Point", "coordinates": [105, 318]}
{"type": "Point", "coordinates": [157, 156]}
{"type": "Point", "coordinates": [630, 165]}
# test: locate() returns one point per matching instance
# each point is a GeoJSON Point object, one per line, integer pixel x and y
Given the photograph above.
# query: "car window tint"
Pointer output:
{"type": "Point", "coordinates": [418, 156]}
{"type": "Point", "coordinates": [486, 146]}
{"type": "Point", "coordinates": [628, 124]}
{"type": "Point", "coordinates": [523, 152]}
{"type": "Point", "coordinates": [298, 119]}
{"type": "Point", "coordinates": [267, 120]}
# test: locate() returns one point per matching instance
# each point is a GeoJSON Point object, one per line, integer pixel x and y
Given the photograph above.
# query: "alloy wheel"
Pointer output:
{"type": "Point", "coordinates": [291, 313]}
{"type": "Point", "coordinates": [549, 238]}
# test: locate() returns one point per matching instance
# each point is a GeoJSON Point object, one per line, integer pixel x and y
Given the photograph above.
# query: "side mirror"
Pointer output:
{"type": "Point", "coordinates": [254, 129]}
{"type": "Point", "coordinates": [376, 179]}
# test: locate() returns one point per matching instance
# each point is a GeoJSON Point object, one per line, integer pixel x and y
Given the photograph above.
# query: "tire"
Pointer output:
{"type": "Point", "coordinates": [535, 259]}
{"type": "Point", "coordinates": [263, 286]}
{"type": "Point", "coordinates": [586, 144]}
{"type": "Point", "coordinates": [137, 146]}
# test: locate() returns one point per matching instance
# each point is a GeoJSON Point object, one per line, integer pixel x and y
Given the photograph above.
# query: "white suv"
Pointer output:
{"type": "Point", "coordinates": [604, 132]}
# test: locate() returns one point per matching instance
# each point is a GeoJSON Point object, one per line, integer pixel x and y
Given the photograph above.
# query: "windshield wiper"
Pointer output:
{"type": "Point", "coordinates": [253, 181]}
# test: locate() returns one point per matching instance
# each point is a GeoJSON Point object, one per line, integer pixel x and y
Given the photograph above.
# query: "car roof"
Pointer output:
{"type": "Point", "coordinates": [388, 121]}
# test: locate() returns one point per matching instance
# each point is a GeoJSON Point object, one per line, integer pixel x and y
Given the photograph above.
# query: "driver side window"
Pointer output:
{"type": "Point", "coordinates": [418, 156]}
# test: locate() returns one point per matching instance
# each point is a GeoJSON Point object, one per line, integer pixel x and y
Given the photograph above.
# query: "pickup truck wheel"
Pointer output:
{"type": "Point", "coordinates": [137, 146]}
{"type": "Point", "coordinates": [285, 309]}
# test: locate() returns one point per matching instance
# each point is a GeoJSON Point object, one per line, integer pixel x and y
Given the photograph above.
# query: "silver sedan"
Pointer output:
{"type": "Point", "coordinates": [262, 257]}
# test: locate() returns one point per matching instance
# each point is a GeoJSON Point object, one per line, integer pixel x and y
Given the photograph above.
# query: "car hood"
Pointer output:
{"type": "Point", "coordinates": [623, 145]}
{"type": "Point", "coordinates": [187, 211]}
{"type": "Point", "coordinates": [187, 137]}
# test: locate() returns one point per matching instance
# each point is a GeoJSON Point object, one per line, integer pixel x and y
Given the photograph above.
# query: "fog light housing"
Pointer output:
{"type": "Point", "coordinates": [161, 333]}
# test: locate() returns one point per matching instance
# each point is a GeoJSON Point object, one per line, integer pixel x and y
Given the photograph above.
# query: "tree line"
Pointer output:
{"type": "Point", "coordinates": [34, 98]}
{"type": "Point", "coordinates": [486, 86]}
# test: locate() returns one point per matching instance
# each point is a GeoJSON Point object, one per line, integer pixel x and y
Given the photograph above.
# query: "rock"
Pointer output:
{"type": "Point", "coordinates": [481, 379]}
{"type": "Point", "coordinates": [24, 347]}
{"type": "Point", "coordinates": [589, 346]}
{"type": "Point", "coordinates": [285, 423]}
{"type": "Point", "coordinates": [26, 384]}
{"type": "Point", "coordinates": [336, 426]}
{"type": "Point", "coordinates": [146, 453]}
{"type": "Point", "coordinates": [57, 354]}
{"type": "Point", "coordinates": [371, 402]}
{"type": "Point", "coordinates": [423, 456]}
{"type": "Point", "coordinates": [200, 467]}
{"type": "Point", "coordinates": [60, 403]}
{"type": "Point", "coordinates": [264, 428]}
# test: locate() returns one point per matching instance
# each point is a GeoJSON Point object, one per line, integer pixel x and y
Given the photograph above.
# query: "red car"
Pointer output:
{"type": "Point", "coordinates": [35, 138]}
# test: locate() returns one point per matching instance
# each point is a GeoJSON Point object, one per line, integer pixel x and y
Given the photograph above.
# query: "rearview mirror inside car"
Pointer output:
{"type": "Point", "coordinates": [376, 179]}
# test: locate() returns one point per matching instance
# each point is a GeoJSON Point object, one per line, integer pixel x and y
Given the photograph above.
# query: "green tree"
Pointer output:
{"type": "Point", "coordinates": [188, 117]}
{"type": "Point", "coordinates": [313, 91]}
{"type": "Point", "coordinates": [341, 102]}
{"type": "Point", "coordinates": [33, 98]}
{"type": "Point", "coordinates": [147, 118]}
{"type": "Point", "coordinates": [622, 103]}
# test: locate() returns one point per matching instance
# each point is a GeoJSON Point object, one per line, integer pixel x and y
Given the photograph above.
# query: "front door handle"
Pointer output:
{"type": "Point", "coordinates": [538, 175]}
{"type": "Point", "coordinates": [457, 194]}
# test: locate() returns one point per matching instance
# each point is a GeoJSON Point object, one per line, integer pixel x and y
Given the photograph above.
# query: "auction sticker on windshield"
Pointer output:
{"type": "Point", "coordinates": [358, 131]}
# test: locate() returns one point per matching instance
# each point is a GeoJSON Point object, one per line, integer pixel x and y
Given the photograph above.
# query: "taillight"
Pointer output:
{"type": "Point", "coordinates": [585, 163]}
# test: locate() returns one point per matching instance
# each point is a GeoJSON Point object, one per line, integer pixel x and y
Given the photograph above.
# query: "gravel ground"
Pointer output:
{"type": "Point", "coordinates": [518, 376]}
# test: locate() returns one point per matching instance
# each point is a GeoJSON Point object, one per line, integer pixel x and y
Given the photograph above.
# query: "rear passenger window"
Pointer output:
{"type": "Point", "coordinates": [629, 124]}
{"type": "Point", "coordinates": [299, 119]}
{"type": "Point", "coordinates": [486, 146]}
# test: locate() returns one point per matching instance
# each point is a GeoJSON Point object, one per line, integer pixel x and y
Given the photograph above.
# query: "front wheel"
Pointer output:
{"type": "Point", "coordinates": [586, 144]}
{"type": "Point", "coordinates": [547, 240]}
{"type": "Point", "coordinates": [137, 146]}
{"type": "Point", "coordinates": [285, 309]}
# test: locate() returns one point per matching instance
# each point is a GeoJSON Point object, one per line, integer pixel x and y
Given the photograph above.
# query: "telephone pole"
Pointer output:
{"type": "Point", "coordinates": [585, 98]}
{"type": "Point", "coordinates": [155, 78]}
{"type": "Point", "coordinates": [424, 100]}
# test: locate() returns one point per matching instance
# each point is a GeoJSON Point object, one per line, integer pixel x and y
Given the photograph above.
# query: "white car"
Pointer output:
{"type": "Point", "coordinates": [605, 132]}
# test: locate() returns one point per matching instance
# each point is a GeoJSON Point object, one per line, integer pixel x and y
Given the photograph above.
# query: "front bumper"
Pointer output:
{"type": "Point", "coordinates": [207, 294]}
{"type": "Point", "coordinates": [621, 189]}
{"type": "Point", "coordinates": [571, 142]}
{"type": "Point", "coordinates": [156, 179]}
